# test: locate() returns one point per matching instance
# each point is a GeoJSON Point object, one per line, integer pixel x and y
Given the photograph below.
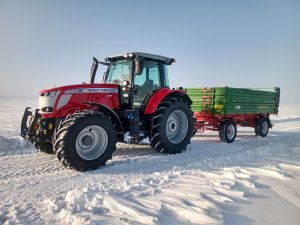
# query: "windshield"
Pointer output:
{"type": "Point", "coordinates": [119, 71]}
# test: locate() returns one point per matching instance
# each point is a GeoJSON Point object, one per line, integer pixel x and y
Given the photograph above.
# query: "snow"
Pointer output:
{"type": "Point", "coordinates": [252, 181]}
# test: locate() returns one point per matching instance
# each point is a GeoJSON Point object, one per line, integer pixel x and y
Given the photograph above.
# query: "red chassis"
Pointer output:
{"type": "Point", "coordinates": [209, 121]}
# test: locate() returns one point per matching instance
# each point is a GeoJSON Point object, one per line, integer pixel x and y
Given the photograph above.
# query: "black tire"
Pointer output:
{"type": "Point", "coordinates": [262, 127]}
{"type": "Point", "coordinates": [256, 131]}
{"type": "Point", "coordinates": [45, 147]}
{"type": "Point", "coordinates": [227, 131]}
{"type": "Point", "coordinates": [85, 140]}
{"type": "Point", "coordinates": [172, 126]}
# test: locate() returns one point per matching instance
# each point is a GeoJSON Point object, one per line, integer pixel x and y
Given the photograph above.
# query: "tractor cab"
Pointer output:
{"type": "Point", "coordinates": [139, 75]}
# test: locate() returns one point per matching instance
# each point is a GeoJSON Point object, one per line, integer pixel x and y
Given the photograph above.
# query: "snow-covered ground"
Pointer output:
{"type": "Point", "coordinates": [252, 181]}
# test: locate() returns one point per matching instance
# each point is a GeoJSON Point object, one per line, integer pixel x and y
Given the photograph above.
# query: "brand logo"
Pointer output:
{"type": "Point", "coordinates": [91, 90]}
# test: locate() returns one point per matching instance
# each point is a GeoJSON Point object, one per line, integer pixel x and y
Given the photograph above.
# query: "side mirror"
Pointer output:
{"type": "Point", "coordinates": [93, 70]}
{"type": "Point", "coordinates": [138, 65]}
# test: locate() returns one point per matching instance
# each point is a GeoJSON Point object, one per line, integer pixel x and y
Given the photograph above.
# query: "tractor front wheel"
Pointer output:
{"type": "Point", "coordinates": [85, 140]}
{"type": "Point", "coordinates": [172, 126]}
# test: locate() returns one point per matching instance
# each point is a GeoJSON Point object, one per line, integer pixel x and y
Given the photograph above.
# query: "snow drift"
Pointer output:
{"type": "Point", "coordinates": [14, 145]}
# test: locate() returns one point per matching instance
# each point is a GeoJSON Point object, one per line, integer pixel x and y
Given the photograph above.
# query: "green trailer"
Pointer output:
{"type": "Point", "coordinates": [223, 108]}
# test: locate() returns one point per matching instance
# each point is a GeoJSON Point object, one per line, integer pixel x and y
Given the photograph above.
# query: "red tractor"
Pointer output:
{"type": "Point", "coordinates": [82, 123]}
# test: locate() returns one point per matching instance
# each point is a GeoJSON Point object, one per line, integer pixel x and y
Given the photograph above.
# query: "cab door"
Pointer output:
{"type": "Point", "coordinates": [146, 83]}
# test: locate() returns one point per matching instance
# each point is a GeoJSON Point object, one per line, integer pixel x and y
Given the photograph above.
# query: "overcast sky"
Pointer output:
{"type": "Point", "coordinates": [215, 43]}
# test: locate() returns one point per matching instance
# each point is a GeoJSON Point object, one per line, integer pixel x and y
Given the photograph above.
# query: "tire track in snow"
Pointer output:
{"type": "Point", "coordinates": [27, 166]}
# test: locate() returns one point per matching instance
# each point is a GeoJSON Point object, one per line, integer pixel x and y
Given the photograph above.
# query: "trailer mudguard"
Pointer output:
{"type": "Point", "coordinates": [158, 96]}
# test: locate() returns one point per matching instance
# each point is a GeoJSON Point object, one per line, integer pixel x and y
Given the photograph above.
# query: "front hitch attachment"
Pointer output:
{"type": "Point", "coordinates": [28, 132]}
{"type": "Point", "coordinates": [24, 128]}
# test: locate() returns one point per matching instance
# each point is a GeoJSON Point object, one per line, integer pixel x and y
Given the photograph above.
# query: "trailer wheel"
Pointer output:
{"type": "Point", "coordinates": [172, 126]}
{"type": "Point", "coordinates": [85, 140]}
{"type": "Point", "coordinates": [45, 147]}
{"type": "Point", "coordinates": [262, 127]}
{"type": "Point", "coordinates": [227, 131]}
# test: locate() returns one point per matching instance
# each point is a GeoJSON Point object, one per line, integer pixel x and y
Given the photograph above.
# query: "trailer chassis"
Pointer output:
{"type": "Point", "coordinates": [226, 124]}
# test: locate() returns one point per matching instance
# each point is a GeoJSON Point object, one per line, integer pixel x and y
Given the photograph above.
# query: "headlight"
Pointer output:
{"type": "Point", "coordinates": [125, 83]}
{"type": "Point", "coordinates": [129, 55]}
{"type": "Point", "coordinates": [47, 109]}
{"type": "Point", "coordinates": [51, 93]}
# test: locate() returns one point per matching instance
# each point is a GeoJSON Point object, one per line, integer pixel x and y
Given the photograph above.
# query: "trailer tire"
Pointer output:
{"type": "Point", "coordinates": [256, 131]}
{"type": "Point", "coordinates": [227, 131]}
{"type": "Point", "coordinates": [45, 147]}
{"type": "Point", "coordinates": [172, 126]}
{"type": "Point", "coordinates": [262, 127]}
{"type": "Point", "coordinates": [85, 140]}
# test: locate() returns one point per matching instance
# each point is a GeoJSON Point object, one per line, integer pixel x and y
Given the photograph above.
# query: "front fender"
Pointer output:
{"type": "Point", "coordinates": [106, 110]}
{"type": "Point", "coordinates": [161, 94]}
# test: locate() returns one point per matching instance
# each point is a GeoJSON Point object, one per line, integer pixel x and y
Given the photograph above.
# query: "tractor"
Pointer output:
{"type": "Point", "coordinates": [134, 103]}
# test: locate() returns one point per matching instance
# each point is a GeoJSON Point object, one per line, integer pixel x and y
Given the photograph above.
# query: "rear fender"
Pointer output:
{"type": "Point", "coordinates": [158, 96]}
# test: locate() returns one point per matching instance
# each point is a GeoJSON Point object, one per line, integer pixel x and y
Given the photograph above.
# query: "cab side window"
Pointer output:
{"type": "Point", "coordinates": [150, 74]}
{"type": "Point", "coordinates": [148, 81]}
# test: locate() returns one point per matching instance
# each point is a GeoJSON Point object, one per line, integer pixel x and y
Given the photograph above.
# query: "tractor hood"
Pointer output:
{"type": "Point", "coordinates": [60, 101]}
{"type": "Point", "coordinates": [79, 88]}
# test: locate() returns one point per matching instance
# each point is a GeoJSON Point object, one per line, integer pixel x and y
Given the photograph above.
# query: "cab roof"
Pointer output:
{"type": "Point", "coordinates": [161, 58]}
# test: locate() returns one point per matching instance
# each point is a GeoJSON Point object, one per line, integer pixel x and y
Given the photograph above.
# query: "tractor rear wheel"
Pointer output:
{"type": "Point", "coordinates": [172, 126]}
{"type": "Point", "coordinates": [227, 131]}
{"type": "Point", "coordinates": [85, 140]}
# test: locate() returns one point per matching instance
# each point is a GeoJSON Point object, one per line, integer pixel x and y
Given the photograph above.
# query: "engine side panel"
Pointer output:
{"type": "Point", "coordinates": [61, 101]}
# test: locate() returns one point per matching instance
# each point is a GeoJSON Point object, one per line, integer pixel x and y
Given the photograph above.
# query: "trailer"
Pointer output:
{"type": "Point", "coordinates": [222, 109]}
